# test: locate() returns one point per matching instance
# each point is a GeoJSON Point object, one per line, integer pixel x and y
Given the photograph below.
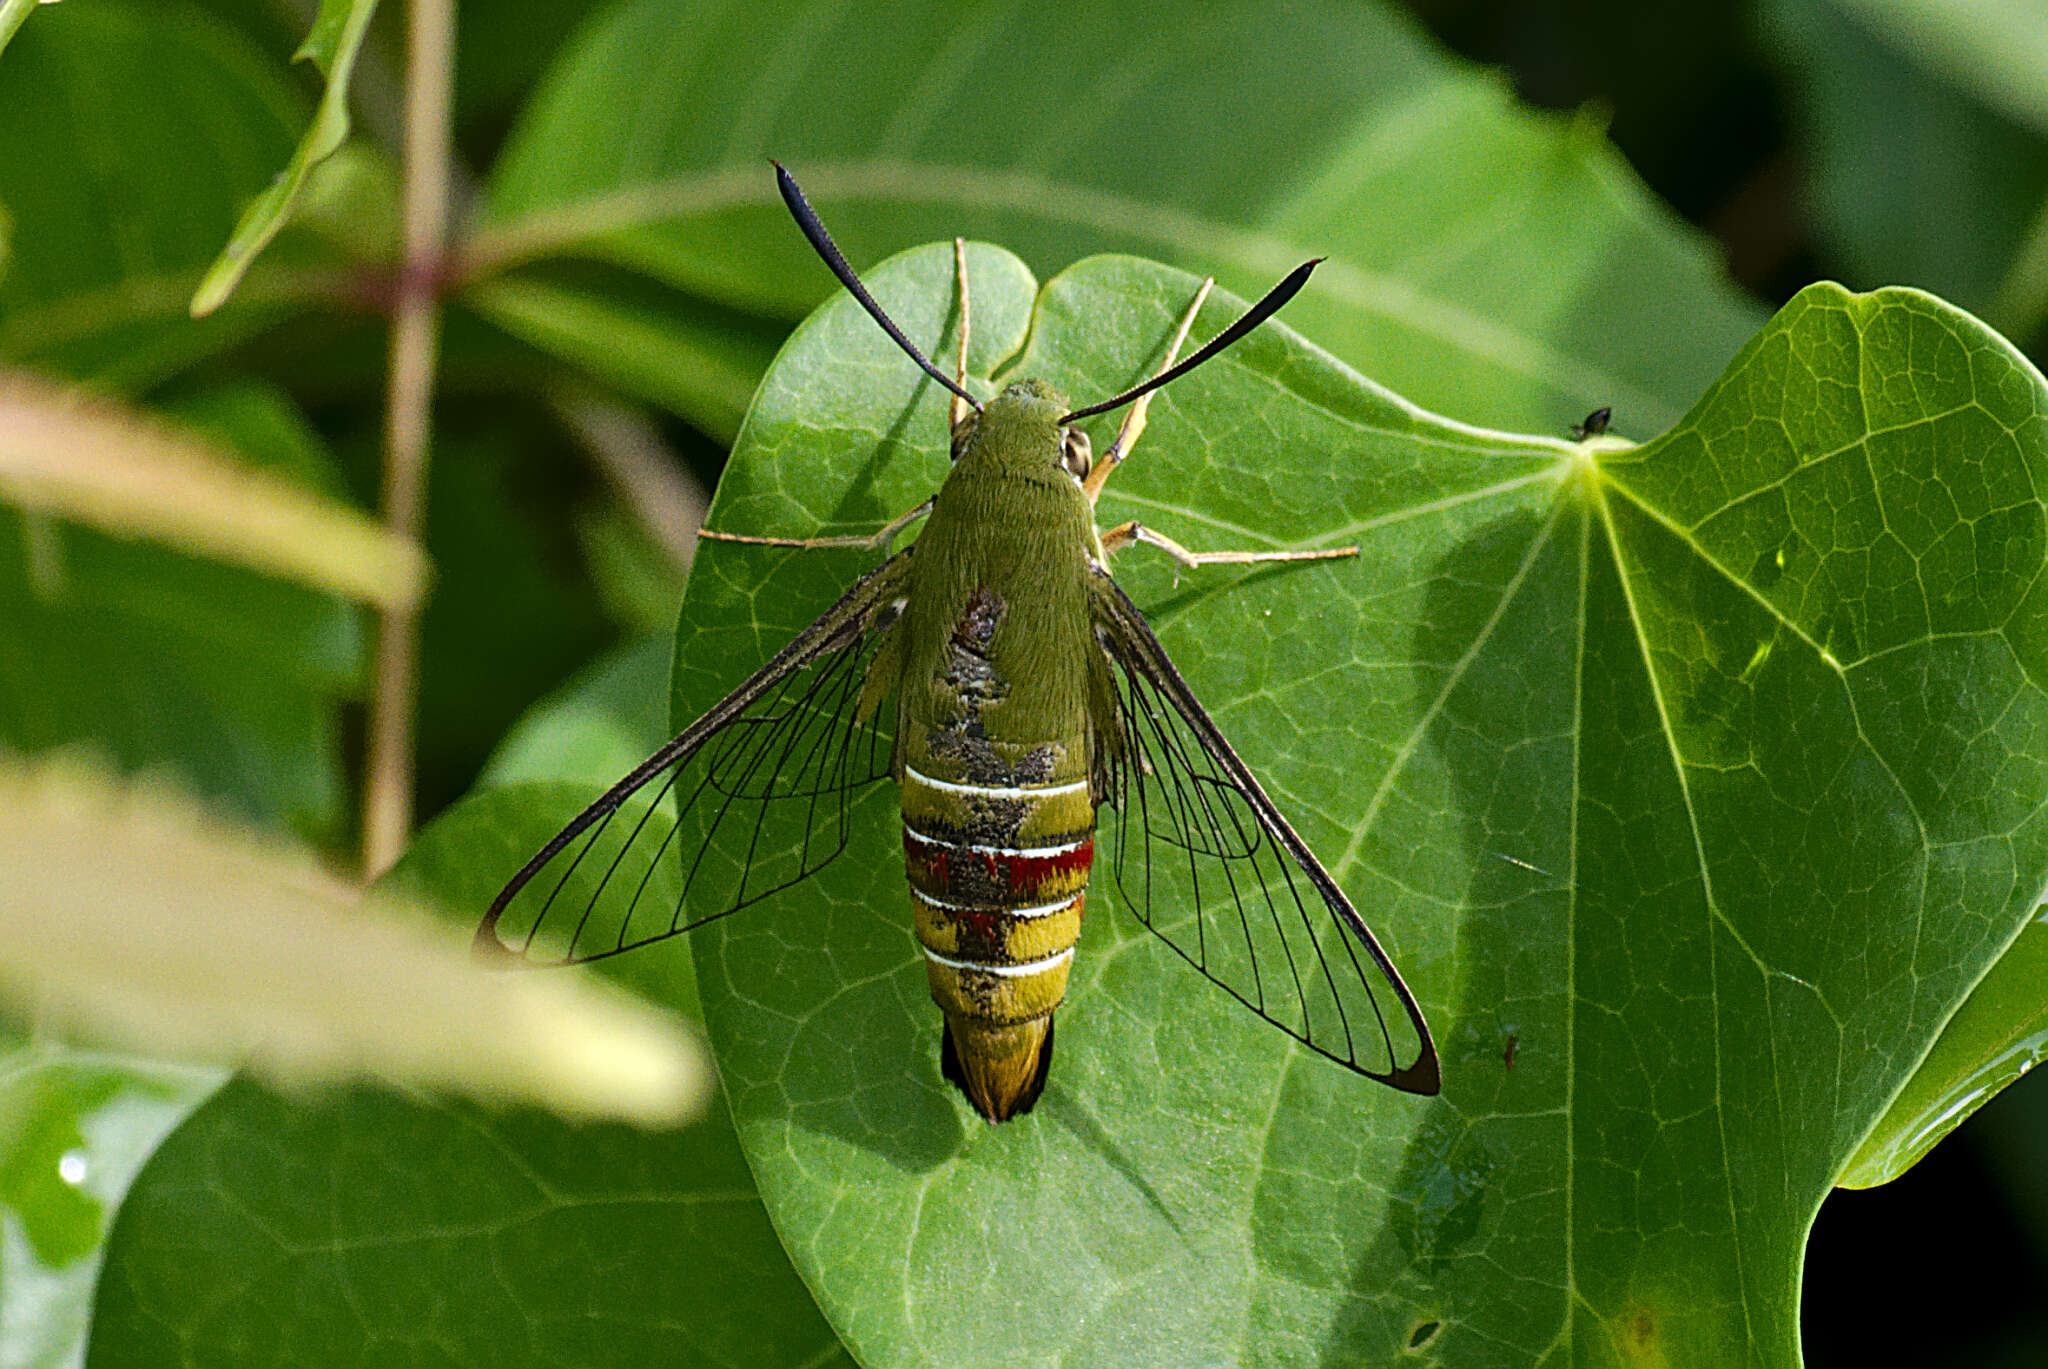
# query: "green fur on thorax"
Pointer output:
{"type": "Point", "coordinates": [1012, 521]}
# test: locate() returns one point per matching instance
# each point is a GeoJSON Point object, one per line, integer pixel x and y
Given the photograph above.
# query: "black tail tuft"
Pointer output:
{"type": "Point", "coordinates": [1030, 1095]}
{"type": "Point", "coordinates": [949, 1061]}
{"type": "Point", "coordinates": [952, 1073]}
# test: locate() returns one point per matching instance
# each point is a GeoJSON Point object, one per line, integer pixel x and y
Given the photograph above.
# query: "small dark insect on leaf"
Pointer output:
{"type": "Point", "coordinates": [1593, 424]}
{"type": "Point", "coordinates": [1507, 1057]}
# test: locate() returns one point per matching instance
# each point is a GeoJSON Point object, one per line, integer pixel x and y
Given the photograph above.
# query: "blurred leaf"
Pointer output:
{"type": "Point", "coordinates": [1995, 49]}
{"type": "Point", "coordinates": [502, 48]}
{"type": "Point", "coordinates": [12, 15]}
{"type": "Point", "coordinates": [594, 729]}
{"type": "Point", "coordinates": [90, 461]}
{"type": "Point", "coordinates": [153, 124]}
{"type": "Point", "coordinates": [75, 1126]}
{"type": "Point", "coordinates": [1913, 180]}
{"type": "Point", "coordinates": [508, 1239]}
{"type": "Point", "coordinates": [1497, 264]}
{"type": "Point", "coordinates": [698, 362]}
{"type": "Point", "coordinates": [1999, 1033]}
{"type": "Point", "coordinates": [332, 46]}
{"type": "Point", "coordinates": [1704, 770]}
{"type": "Point", "coordinates": [131, 915]}
{"type": "Point", "coordinates": [511, 615]}
{"type": "Point", "coordinates": [155, 658]}
{"type": "Point", "coordinates": [641, 586]}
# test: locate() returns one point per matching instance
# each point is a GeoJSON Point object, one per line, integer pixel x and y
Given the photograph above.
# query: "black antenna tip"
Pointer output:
{"type": "Point", "coordinates": [1267, 305]}
{"type": "Point", "coordinates": [821, 242]}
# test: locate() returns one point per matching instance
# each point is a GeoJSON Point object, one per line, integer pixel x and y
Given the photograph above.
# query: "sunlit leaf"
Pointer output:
{"type": "Point", "coordinates": [1999, 1034]}
{"type": "Point", "coordinates": [1701, 772]}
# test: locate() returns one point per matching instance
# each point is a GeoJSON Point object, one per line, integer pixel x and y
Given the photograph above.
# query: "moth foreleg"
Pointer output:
{"type": "Point", "coordinates": [960, 406]}
{"type": "Point", "coordinates": [881, 537]}
{"type": "Point", "coordinates": [1125, 534]}
{"type": "Point", "coordinates": [1134, 419]}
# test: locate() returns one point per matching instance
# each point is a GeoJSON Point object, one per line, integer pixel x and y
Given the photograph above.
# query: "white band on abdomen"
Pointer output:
{"type": "Point", "coordinates": [1035, 910]}
{"type": "Point", "coordinates": [1008, 971]}
{"type": "Point", "coordinates": [996, 791]}
{"type": "Point", "coordinates": [1062, 849]}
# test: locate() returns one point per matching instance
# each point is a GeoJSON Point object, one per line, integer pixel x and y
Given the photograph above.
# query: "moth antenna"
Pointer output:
{"type": "Point", "coordinates": [807, 219]}
{"type": "Point", "coordinates": [1268, 305]}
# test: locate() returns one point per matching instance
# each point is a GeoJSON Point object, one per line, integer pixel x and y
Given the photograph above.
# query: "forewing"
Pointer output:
{"type": "Point", "coordinates": [748, 800]}
{"type": "Point", "coordinates": [1205, 860]}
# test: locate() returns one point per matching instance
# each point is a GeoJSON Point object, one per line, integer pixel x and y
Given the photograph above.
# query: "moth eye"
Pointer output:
{"type": "Point", "coordinates": [1076, 455]}
{"type": "Point", "coordinates": [963, 432]}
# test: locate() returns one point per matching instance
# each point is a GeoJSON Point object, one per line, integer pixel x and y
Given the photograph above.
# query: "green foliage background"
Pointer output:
{"type": "Point", "coordinates": [1752, 711]}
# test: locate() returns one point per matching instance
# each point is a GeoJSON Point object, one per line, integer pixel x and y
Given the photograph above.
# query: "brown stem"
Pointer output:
{"type": "Point", "coordinates": [415, 342]}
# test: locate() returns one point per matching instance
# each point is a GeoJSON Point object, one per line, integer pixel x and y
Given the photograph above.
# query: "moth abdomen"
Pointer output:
{"type": "Point", "coordinates": [998, 874]}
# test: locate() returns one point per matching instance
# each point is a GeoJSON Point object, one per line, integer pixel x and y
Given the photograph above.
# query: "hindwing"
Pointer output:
{"type": "Point", "coordinates": [1205, 859]}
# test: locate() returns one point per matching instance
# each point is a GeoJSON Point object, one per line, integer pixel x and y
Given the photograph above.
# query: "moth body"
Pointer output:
{"type": "Point", "coordinates": [1028, 691]}
{"type": "Point", "coordinates": [1000, 700]}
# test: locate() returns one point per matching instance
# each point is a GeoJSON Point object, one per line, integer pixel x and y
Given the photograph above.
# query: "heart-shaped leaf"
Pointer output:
{"type": "Point", "coordinates": [1692, 785]}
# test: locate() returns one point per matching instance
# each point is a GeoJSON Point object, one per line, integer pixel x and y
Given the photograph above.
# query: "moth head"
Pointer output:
{"type": "Point", "coordinates": [1071, 446]}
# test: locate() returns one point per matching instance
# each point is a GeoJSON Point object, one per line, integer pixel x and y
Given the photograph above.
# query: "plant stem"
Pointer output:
{"type": "Point", "coordinates": [415, 342]}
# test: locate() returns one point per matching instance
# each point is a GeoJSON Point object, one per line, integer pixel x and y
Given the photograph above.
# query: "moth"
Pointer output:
{"type": "Point", "coordinates": [996, 671]}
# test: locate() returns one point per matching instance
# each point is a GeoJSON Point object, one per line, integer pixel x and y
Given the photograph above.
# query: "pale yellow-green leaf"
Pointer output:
{"type": "Point", "coordinates": [12, 14]}
{"type": "Point", "coordinates": [87, 459]}
{"type": "Point", "coordinates": [130, 915]}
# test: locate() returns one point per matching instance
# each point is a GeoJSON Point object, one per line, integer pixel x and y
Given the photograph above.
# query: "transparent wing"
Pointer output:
{"type": "Point", "coordinates": [750, 799]}
{"type": "Point", "coordinates": [1206, 861]}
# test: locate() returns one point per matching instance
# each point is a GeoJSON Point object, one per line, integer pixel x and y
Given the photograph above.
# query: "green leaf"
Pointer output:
{"type": "Point", "coordinates": [696, 361]}
{"type": "Point", "coordinates": [75, 1126]}
{"type": "Point", "coordinates": [332, 46]}
{"type": "Point", "coordinates": [12, 14]}
{"type": "Point", "coordinates": [478, 1238]}
{"type": "Point", "coordinates": [152, 124]}
{"type": "Point", "coordinates": [1999, 1033]}
{"type": "Point", "coordinates": [1491, 262]}
{"type": "Point", "coordinates": [1703, 774]}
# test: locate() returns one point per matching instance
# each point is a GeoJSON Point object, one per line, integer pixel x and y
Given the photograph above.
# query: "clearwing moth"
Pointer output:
{"type": "Point", "coordinates": [997, 672]}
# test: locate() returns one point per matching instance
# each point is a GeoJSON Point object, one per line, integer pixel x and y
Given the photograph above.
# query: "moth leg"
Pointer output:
{"type": "Point", "coordinates": [1134, 419]}
{"type": "Point", "coordinates": [1126, 534]}
{"type": "Point", "coordinates": [960, 406]}
{"type": "Point", "coordinates": [881, 537]}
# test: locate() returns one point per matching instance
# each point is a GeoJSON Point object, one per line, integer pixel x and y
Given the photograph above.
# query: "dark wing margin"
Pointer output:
{"type": "Point", "coordinates": [772, 768]}
{"type": "Point", "coordinates": [1206, 861]}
